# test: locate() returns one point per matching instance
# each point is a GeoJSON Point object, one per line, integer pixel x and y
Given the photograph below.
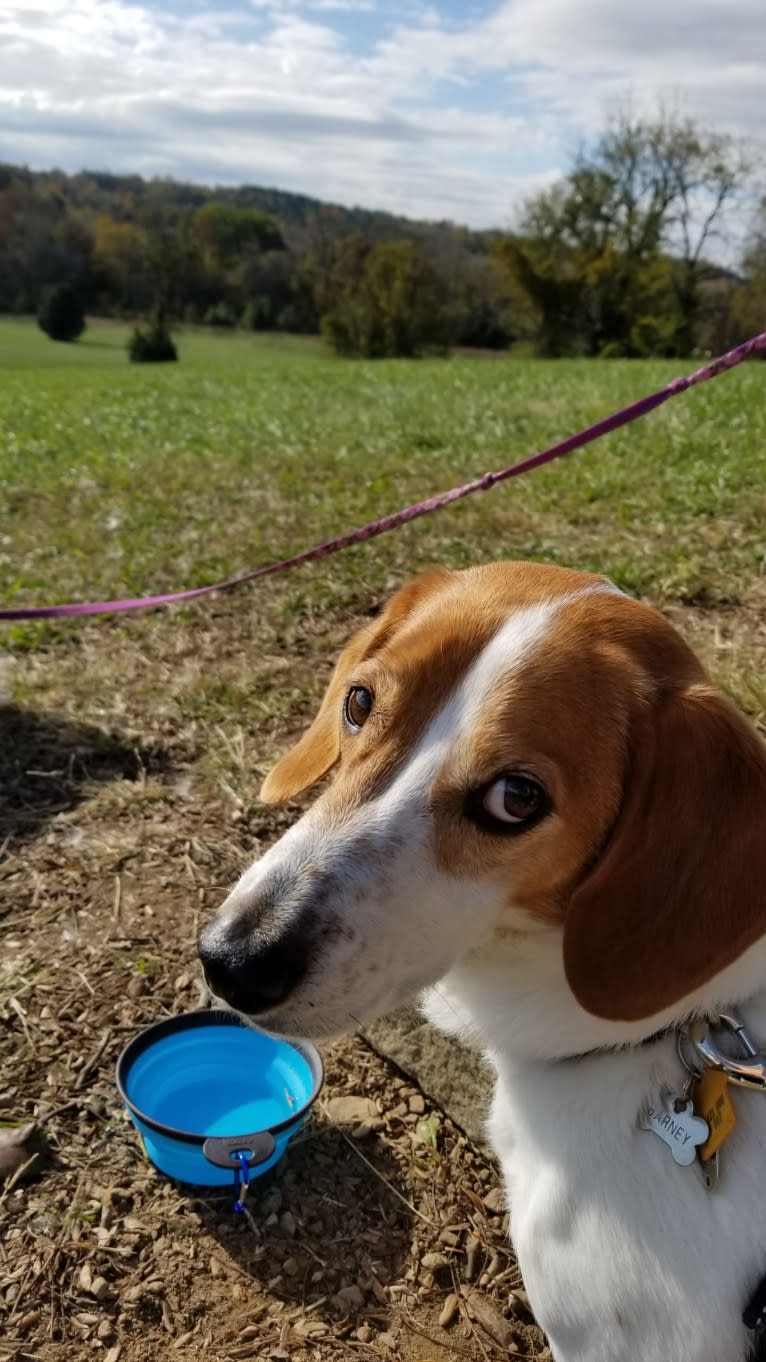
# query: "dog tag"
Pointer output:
{"type": "Point", "coordinates": [673, 1120]}
{"type": "Point", "coordinates": [712, 1101]}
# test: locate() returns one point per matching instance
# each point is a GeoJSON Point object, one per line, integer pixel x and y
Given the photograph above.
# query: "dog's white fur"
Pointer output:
{"type": "Point", "coordinates": [624, 1253]}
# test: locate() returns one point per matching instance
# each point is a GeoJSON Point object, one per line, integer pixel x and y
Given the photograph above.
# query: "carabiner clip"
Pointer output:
{"type": "Point", "coordinates": [241, 1181]}
{"type": "Point", "coordinates": [749, 1072]}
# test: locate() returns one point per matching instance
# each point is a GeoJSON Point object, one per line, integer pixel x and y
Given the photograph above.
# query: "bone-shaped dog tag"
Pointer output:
{"type": "Point", "coordinates": [673, 1119]}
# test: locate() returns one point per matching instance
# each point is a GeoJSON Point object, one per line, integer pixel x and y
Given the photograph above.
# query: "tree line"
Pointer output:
{"type": "Point", "coordinates": [616, 258]}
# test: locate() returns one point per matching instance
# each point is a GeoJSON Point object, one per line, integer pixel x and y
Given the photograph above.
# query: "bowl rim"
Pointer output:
{"type": "Point", "coordinates": [190, 1021]}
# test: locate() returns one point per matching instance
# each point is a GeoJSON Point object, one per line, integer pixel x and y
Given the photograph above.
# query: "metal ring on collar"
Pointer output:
{"type": "Point", "coordinates": [748, 1072]}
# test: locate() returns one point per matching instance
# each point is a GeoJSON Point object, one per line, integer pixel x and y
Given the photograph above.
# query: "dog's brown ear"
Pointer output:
{"type": "Point", "coordinates": [319, 748]}
{"type": "Point", "coordinates": [679, 891]}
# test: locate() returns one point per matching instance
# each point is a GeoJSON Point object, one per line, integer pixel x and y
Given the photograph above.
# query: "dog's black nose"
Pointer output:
{"type": "Point", "coordinates": [253, 975]}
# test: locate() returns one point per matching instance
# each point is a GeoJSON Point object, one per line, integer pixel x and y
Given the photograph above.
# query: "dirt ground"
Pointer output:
{"type": "Point", "coordinates": [120, 834]}
{"type": "Point", "coordinates": [128, 805]}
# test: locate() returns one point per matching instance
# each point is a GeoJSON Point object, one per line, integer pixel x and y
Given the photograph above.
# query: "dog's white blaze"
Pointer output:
{"type": "Point", "coordinates": [459, 714]}
{"type": "Point", "coordinates": [510, 646]}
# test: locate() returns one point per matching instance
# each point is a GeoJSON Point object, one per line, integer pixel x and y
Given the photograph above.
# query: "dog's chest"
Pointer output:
{"type": "Point", "coordinates": [623, 1252]}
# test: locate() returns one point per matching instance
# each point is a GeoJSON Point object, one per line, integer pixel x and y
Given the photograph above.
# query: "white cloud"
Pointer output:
{"type": "Point", "coordinates": [328, 6]}
{"type": "Point", "coordinates": [580, 58]}
{"type": "Point", "coordinates": [431, 116]}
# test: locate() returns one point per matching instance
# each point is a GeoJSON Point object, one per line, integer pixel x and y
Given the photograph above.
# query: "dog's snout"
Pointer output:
{"type": "Point", "coordinates": [251, 972]}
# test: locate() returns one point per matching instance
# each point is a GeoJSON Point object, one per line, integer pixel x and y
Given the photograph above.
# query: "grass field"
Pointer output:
{"type": "Point", "coordinates": [132, 749]}
{"type": "Point", "coordinates": [122, 479]}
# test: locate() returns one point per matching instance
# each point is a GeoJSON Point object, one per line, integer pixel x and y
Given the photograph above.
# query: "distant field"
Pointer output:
{"type": "Point", "coordinates": [122, 479]}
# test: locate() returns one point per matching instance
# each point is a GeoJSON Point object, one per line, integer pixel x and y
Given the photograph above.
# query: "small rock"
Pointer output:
{"type": "Point", "coordinates": [287, 1223]}
{"type": "Point", "coordinates": [85, 1277]}
{"type": "Point", "coordinates": [495, 1201]}
{"type": "Point", "coordinates": [449, 1310]}
{"type": "Point", "coordinates": [304, 1328]}
{"type": "Point", "coordinates": [518, 1302]}
{"type": "Point", "coordinates": [351, 1295]}
{"type": "Point", "coordinates": [362, 1131]}
{"type": "Point", "coordinates": [105, 1331]}
{"type": "Point", "coordinates": [401, 1111]}
{"type": "Point", "coordinates": [290, 1267]}
{"type": "Point", "coordinates": [349, 1111]}
{"type": "Point", "coordinates": [114, 1353]}
{"type": "Point", "coordinates": [417, 1104]}
{"type": "Point", "coordinates": [387, 1340]}
{"type": "Point", "coordinates": [434, 1262]}
{"type": "Point", "coordinates": [16, 1147]}
{"type": "Point", "coordinates": [365, 1334]}
{"type": "Point", "coordinates": [99, 1288]}
{"type": "Point", "coordinates": [216, 1267]}
{"type": "Point", "coordinates": [137, 986]}
{"type": "Point", "coordinates": [488, 1315]}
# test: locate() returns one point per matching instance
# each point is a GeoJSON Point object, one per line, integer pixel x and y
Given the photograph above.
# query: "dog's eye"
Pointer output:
{"type": "Point", "coordinates": [358, 706]}
{"type": "Point", "coordinates": [515, 800]}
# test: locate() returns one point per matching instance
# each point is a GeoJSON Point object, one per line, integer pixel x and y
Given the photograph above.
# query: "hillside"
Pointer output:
{"type": "Point", "coordinates": [154, 203]}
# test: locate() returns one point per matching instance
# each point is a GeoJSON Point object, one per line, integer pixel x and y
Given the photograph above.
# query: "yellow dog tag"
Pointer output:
{"type": "Point", "coordinates": [713, 1103]}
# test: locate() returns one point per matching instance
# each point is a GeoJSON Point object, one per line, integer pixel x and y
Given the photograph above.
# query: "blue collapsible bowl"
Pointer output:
{"type": "Point", "coordinates": [205, 1087]}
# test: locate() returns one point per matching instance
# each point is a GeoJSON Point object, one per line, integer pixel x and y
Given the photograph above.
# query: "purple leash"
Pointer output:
{"type": "Point", "coordinates": [750, 348]}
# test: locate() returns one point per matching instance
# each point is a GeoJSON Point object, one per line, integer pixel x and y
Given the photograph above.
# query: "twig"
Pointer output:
{"type": "Point", "coordinates": [17, 1176]}
{"type": "Point", "coordinates": [432, 1223]}
{"type": "Point", "coordinates": [22, 1016]}
{"type": "Point", "coordinates": [90, 1064]}
{"type": "Point", "coordinates": [117, 905]}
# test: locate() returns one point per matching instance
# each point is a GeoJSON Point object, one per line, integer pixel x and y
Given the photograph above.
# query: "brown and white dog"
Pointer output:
{"type": "Point", "coordinates": [547, 821]}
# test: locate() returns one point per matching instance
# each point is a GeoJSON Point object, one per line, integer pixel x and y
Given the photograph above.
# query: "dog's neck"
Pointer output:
{"type": "Point", "coordinates": [512, 998]}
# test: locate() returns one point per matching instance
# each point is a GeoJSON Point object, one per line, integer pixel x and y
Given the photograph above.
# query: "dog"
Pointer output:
{"type": "Point", "coordinates": [548, 824]}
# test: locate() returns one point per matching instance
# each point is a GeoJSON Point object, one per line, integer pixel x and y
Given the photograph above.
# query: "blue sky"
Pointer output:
{"type": "Point", "coordinates": [434, 109]}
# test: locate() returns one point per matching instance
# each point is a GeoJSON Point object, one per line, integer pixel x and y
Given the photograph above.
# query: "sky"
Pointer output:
{"type": "Point", "coordinates": [438, 110]}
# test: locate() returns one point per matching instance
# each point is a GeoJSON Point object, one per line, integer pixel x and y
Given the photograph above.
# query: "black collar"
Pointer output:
{"type": "Point", "coordinates": [654, 1039]}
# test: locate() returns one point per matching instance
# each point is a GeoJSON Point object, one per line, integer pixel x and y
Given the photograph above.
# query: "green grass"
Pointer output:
{"type": "Point", "coordinates": [118, 479]}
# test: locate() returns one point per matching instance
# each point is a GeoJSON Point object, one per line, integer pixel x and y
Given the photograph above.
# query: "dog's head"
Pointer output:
{"type": "Point", "coordinates": [516, 749]}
